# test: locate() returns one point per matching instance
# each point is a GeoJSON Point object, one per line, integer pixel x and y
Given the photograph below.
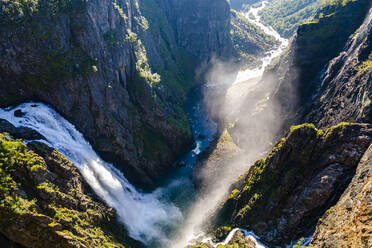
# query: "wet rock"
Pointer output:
{"type": "Point", "coordinates": [19, 113]}
{"type": "Point", "coordinates": [20, 132]}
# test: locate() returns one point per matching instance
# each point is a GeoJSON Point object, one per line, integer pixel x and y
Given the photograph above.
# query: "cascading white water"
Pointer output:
{"type": "Point", "coordinates": [245, 75]}
{"type": "Point", "coordinates": [144, 215]}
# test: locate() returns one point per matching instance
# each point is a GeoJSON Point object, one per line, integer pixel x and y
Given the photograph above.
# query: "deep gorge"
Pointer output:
{"type": "Point", "coordinates": [142, 123]}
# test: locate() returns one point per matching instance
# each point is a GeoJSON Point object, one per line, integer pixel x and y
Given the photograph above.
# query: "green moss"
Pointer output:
{"type": "Point", "coordinates": [234, 193]}
{"type": "Point", "coordinates": [308, 125]}
{"type": "Point", "coordinates": [365, 66]}
{"type": "Point", "coordinates": [225, 138]}
{"type": "Point", "coordinates": [336, 130]}
{"type": "Point", "coordinates": [300, 243]}
{"type": "Point", "coordinates": [19, 11]}
{"type": "Point", "coordinates": [20, 169]}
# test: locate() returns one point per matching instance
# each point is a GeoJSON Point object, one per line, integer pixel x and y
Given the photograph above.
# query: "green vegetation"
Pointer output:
{"type": "Point", "coordinates": [249, 41]}
{"type": "Point", "coordinates": [114, 38]}
{"type": "Point", "coordinates": [323, 38]}
{"type": "Point", "coordinates": [365, 65]}
{"type": "Point", "coordinates": [56, 61]}
{"type": "Point", "coordinates": [300, 244]}
{"type": "Point", "coordinates": [286, 15]}
{"type": "Point", "coordinates": [176, 68]}
{"type": "Point", "coordinates": [61, 213]}
{"type": "Point", "coordinates": [182, 123]}
{"type": "Point", "coordinates": [59, 65]}
{"type": "Point", "coordinates": [263, 183]}
{"type": "Point", "coordinates": [225, 138]}
{"type": "Point", "coordinates": [20, 11]}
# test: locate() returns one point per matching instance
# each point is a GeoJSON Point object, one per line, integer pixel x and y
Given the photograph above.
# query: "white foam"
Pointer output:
{"type": "Point", "coordinates": [144, 215]}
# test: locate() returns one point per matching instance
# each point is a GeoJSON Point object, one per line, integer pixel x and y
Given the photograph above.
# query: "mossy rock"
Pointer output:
{"type": "Point", "coordinates": [277, 187]}
{"type": "Point", "coordinates": [45, 202]}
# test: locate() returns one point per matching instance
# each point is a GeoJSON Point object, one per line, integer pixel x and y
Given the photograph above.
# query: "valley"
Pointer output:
{"type": "Point", "coordinates": [174, 124]}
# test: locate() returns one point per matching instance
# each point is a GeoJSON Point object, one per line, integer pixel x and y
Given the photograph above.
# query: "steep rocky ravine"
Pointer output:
{"type": "Point", "coordinates": [120, 71]}
{"type": "Point", "coordinates": [96, 62]}
{"type": "Point", "coordinates": [324, 77]}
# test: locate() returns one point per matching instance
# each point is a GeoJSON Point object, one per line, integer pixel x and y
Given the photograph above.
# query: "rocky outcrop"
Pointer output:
{"type": "Point", "coordinates": [116, 69]}
{"type": "Point", "coordinates": [316, 43]}
{"type": "Point", "coordinates": [45, 202]}
{"type": "Point", "coordinates": [345, 91]}
{"type": "Point", "coordinates": [19, 132]}
{"type": "Point", "coordinates": [281, 196]}
{"type": "Point", "coordinates": [213, 162]}
{"type": "Point", "coordinates": [349, 222]}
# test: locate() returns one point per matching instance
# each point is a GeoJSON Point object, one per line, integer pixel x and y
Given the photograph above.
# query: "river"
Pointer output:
{"type": "Point", "coordinates": [166, 217]}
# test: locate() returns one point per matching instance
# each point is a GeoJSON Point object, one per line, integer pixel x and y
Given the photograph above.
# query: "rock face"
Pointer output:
{"type": "Point", "coordinates": [345, 92]}
{"type": "Point", "coordinates": [348, 223]}
{"type": "Point", "coordinates": [95, 62]}
{"type": "Point", "coordinates": [299, 72]}
{"type": "Point", "coordinates": [281, 196]}
{"type": "Point", "coordinates": [44, 202]}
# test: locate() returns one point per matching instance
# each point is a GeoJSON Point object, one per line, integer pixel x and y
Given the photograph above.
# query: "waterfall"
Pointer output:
{"type": "Point", "coordinates": [145, 216]}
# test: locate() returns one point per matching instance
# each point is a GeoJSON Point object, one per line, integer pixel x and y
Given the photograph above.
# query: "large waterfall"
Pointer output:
{"type": "Point", "coordinates": [146, 216]}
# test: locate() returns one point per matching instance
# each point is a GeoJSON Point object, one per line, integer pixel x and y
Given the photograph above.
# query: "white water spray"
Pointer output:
{"type": "Point", "coordinates": [257, 72]}
{"type": "Point", "coordinates": [144, 215]}
{"type": "Point", "coordinates": [192, 230]}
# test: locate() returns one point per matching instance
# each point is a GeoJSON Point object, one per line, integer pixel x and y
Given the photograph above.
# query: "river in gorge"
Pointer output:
{"type": "Point", "coordinates": [168, 216]}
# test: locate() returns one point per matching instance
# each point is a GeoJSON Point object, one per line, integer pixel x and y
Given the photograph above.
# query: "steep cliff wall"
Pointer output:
{"type": "Point", "coordinates": [98, 64]}
{"type": "Point", "coordinates": [282, 196]}
{"type": "Point", "coordinates": [348, 223]}
{"type": "Point", "coordinates": [315, 44]}
{"type": "Point", "coordinates": [345, 89]}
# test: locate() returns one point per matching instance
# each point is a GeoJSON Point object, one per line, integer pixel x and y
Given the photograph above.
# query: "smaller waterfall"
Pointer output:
{"type": "Point", "coordinates": [146, 216]}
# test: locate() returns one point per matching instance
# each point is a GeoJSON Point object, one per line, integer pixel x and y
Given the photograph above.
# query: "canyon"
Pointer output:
{"type": "Point", "coordinates": [142, 123]}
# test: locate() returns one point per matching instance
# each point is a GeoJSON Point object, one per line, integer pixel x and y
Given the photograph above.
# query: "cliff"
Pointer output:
{"type": "Point", "coordinates": [282, 196]}
{"type": "Point", "coordinates": [45, 202]}
{"type": "Point", "coordinates": [348, 223]}
{"type": "Point", "coordinates": [118, 70]}
{"type": "Point", "coordinates": [316, 43]}
{"type": "Point", "coordinates": [348, 74]}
